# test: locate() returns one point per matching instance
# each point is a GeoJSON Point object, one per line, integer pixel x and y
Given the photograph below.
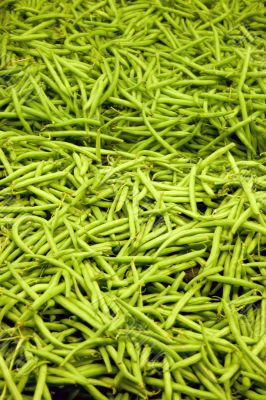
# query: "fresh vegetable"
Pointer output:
{"type": "Point", "coordinates": [132, 190]}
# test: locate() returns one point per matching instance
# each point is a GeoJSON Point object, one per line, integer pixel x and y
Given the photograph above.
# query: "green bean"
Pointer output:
{"type": "Point", "coordinates": [155, 344]}
{"type": "Point", "coordinates": [40, 179]}
{"type": "Point", "coordinates": [23, 283]}
{"type": "Point", "coordinates": [9, 381]}
{"type": "Point", "coordinates": [73, 308]}
{"type": "Point", "coordinates": [182, 389]}
{"type": "Point", "coordinates": [173, 260]}
{"type": "Point", "coordinates": [20, 172]}
{"type": "Point", "coordinates": [215, 155]}
{"type": "Point", "coordinates": [179, 305]}
{"type": "Point", "coordinates": [40, 387]}
{"type": "Point", "coordinates": [260, 367]}
{"type": "Point", "coordinates": [167, 380]}
{"type": "Point", "coordinates": [18, 109]}
{"type": "Point", "coordinates": [186, 362]}
{"type": "Point", "coordinates": [213, 388]}
{"type": "Point", "coordinates": [121, 365]}
{"type": "Point", "coordinates": [234, 281]}
{"type": "Point", "coordinates": [138, 314]}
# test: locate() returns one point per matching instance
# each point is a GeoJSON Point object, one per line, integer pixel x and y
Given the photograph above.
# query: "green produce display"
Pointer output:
{"type": "Point", "coordinates": [132, 200]}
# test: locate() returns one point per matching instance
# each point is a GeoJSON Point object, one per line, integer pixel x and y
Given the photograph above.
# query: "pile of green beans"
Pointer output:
{"type": "Point", "coordinates": [132, 200]}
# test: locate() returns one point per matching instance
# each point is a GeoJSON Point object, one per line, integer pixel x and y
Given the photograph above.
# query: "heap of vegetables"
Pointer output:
{"type": "Point", "coordinates": [133, 202]}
